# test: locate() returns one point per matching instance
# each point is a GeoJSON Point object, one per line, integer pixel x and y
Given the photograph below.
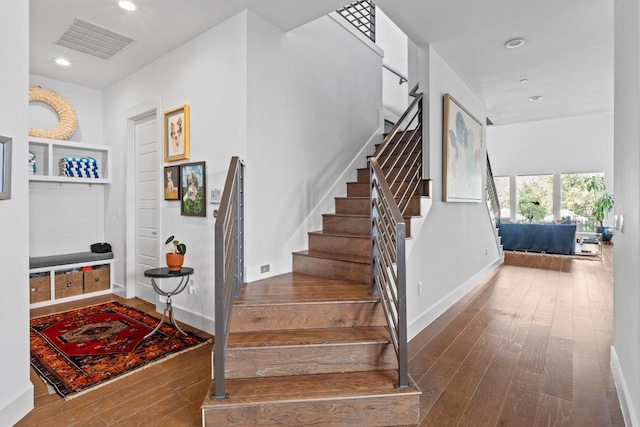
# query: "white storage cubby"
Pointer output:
{"type": "Point", "coordinates": [51, 271]}
{"type": "Point", "coordinates": [66, 218]}
{"type": "Point", "coordinates": [49, 151]}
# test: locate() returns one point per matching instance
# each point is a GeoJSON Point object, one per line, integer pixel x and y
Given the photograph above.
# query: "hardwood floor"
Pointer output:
{"type": "Point", "coordinates": [165, 394]}
{"type": "Point", "coordinates": [528, 346]}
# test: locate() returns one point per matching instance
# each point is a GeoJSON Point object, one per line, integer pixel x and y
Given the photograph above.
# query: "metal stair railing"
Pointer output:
{"type": "Point", "coordinates": [388, 264]}
{"type": "Point", "coordinates": [492, 193]}
{"type": "Point", "coordinates": [400, 154]}
{"type": "Point", "coordinates": [229, 266]}
{"type": "Point", "coordinates": [362, 15]}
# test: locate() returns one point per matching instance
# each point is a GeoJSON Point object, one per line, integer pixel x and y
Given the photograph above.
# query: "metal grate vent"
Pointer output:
{"type": "Point", "coordinates": [89, 38]}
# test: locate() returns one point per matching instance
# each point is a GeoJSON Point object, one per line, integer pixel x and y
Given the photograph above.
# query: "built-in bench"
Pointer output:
{"type": "Point", "coordinates": [67, 277]}
{"type": "Point", "coordinates": [75, 258]}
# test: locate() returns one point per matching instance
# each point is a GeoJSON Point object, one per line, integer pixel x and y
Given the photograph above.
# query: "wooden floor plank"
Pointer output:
{"type": "Point", "coordinates": [520, 405]}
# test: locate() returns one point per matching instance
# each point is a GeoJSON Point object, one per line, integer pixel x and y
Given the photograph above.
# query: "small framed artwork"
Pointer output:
{"type": "Point", "coordinates": [461, 154]}
{"type": "Point", "coordinates": [172, 182]}
{"type": "Point", "coordinates": [5, 167]}
{"type": "Point", "coordinates": [176, 134]}
{"type": "Point", "coordinates": [193, 178]}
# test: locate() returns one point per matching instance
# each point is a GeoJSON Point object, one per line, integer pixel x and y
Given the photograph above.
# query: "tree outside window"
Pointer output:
{"type": "Point", "coordinates": [535, 197]}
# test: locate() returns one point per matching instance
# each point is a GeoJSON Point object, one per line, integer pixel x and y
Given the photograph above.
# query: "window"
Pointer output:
{"type": "Point", "coordinates": [577, 202]}
{"type": "Point", "coordinates": [535, 197]}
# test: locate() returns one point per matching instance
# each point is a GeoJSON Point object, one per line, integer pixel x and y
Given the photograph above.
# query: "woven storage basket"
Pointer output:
{"type": "Point", "coordinates": [40, 288]}
{"type": "Point", "coordinates": [68, 283]}
{"type": "Point", "coordinates": [97, 279]}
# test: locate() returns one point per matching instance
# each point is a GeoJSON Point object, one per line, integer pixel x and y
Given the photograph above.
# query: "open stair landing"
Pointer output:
{"type": "Point", "coordinates": [309, 350]}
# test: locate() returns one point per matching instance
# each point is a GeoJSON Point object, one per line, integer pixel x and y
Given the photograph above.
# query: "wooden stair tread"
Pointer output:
{"type": "Point", "coordinates": [295, 288]}
{"type": "Point", "coordinates": [346, 215]}
{"type": "Point", "coordinates": [333, 386]}
{"type": "Point", "coordinates": [336, 256]}
{"type": "Point", "coordinates": [309, 337]}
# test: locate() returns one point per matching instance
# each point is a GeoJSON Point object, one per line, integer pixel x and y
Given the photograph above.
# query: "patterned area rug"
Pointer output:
{"type": "Point", "coordinates": [78, 350]}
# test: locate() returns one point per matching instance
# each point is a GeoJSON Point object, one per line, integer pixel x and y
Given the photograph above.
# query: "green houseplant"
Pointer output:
{"type": "Point", "coordinates": [602, 204]}
{"type": "Point", "coordinates": [175, 258]}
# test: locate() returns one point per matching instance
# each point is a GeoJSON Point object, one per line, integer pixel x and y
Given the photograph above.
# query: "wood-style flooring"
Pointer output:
{"type": "Point", "coordinates": [528, 346]}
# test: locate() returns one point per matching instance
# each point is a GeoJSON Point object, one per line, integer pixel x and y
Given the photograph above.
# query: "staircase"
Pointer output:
{"type": "Point", "coordinates": [312, 347]}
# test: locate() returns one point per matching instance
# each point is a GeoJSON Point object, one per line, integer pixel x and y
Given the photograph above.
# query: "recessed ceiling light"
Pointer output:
{"type": "Point", "coordinates": [535, 98]}
{"type": "Point", "coordinates": [514, 43]}
{"type": "Point", "coordinates": [127, 5]}
{"type": "Point", "coordinates": [524, 80]}
{"type": "Point", "coordinates": [63, 62]}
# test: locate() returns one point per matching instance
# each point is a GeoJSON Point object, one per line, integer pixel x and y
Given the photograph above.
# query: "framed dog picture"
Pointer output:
{"type": "Point", "coordinates": [176, 134]}
{"type": "Point", "coordinates": [193, 189]}
{"type": "Point", "coordinates": [172, 182]}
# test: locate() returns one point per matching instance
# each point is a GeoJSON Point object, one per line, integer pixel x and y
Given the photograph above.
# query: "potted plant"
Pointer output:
{"type": "Point", "coordinates": [602, 204]}
{"type": "Point", "coordinates": [175, 258]}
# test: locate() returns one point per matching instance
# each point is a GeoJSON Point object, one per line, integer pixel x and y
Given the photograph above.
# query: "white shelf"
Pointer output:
{"type": "Point", "coordinates": [49, 151]}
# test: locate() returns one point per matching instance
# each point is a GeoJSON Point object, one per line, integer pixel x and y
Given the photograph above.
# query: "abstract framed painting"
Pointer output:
{"type": "Point", "coordinates": [193, 178]}
{"type": "Point", "coordinates": [461, 154]}
{"type": "Point", "coordinates": [176, 134]}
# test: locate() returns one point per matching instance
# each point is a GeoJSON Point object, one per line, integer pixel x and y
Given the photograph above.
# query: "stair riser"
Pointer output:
{"type": "Point", "coordinates": [359, 226]}
{"type": "Point", "coordinates": [302, 360]}
{"type": "Point", "coordinates": [363, 411]}
{"type": "Point", "coordinates": [352, 205]}
{"type": "Point", "coordinates": [362, 189]}
{"type": "Point", "coordinates": [364, 175]}
{"type": "Point", "coordinates": [332, 269]}
{"type": "Point", "coordinates": [395, 161]}
{"type": "Point", "coordinates": [359, 246]}
{"type": "Point", "coordinates": [403, 147]}
{"type": "Point", "coordinates": [306, 316]}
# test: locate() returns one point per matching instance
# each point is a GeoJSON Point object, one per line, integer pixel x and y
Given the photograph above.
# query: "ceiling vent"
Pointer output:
{"type": "Point", "coordinates": [86, 37]}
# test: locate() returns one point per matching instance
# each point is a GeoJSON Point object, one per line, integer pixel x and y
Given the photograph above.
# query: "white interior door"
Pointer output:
{"type": "Point", "coordinates": [146, 204]}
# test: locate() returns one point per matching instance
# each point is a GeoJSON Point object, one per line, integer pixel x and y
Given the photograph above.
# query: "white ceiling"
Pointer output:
{"type": "Point", "coordinates": [568, 57]}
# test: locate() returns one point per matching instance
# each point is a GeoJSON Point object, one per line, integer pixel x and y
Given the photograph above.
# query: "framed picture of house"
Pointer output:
{"type": "Point", "coordinates": [193, 189]}
{"type": "Point", "coordinates": [5, 167]}
{"type": "Point", "coordinates": [172, 182]}
{"type": "Point", "coordinates": [461, 154]}
{"type": "Point", "coordinates": [176, 134]}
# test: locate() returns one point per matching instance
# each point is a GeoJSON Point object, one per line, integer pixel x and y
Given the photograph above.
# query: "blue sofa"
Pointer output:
{"type": "Point", "coordinates": [544, 238]}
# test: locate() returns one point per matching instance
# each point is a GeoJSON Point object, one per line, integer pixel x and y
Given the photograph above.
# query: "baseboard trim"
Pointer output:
{"type": "Point", "coordinates": [626, 406]}
{"type": "Point", "coordinates": [195, 320]}
{"type": "Point", "coordinates": [432, 313]}
{"type": "Point", "coordinates": [17, 408]}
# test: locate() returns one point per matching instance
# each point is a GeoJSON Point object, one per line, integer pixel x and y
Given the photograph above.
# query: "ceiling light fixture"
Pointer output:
{"type": "Point", "coordinates": [514, 43]}
{"type": "Point", "coordinates": [524, 81]}
{"type": "Point", "coordinates": [127, 5]}
{"type": "Point", "coordinates": [63, 62]}
{"type": "Point", "coordinates": [535, 98]}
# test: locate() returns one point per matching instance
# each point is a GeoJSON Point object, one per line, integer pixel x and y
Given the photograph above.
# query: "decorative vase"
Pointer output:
{"type": "Point", "coordinates": [174, 261]}
{"type": "Point", "coordinates": [607, 233]}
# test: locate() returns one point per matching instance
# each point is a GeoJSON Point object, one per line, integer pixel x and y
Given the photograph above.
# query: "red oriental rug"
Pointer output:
{"type": "Point", "coordinates": [81, 349]}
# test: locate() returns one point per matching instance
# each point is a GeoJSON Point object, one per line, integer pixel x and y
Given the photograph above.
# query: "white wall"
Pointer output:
{"type": "Point", "coordinates": [626, 344]}
{"type": "Point", "coordinates": [286, 103]}
{"type": "Point", "coordinates": [565, 145]}
{"type": "Point", "coordinates": [394, 43]}
{"type": "Point", "coordinates": [85, 101]}
{"type": "Point", "coordinates": [455, 247]}
{"type": "Point", "coordinates": [314, 103]}
{"type": "Point", "coordinates": [16, 391]}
